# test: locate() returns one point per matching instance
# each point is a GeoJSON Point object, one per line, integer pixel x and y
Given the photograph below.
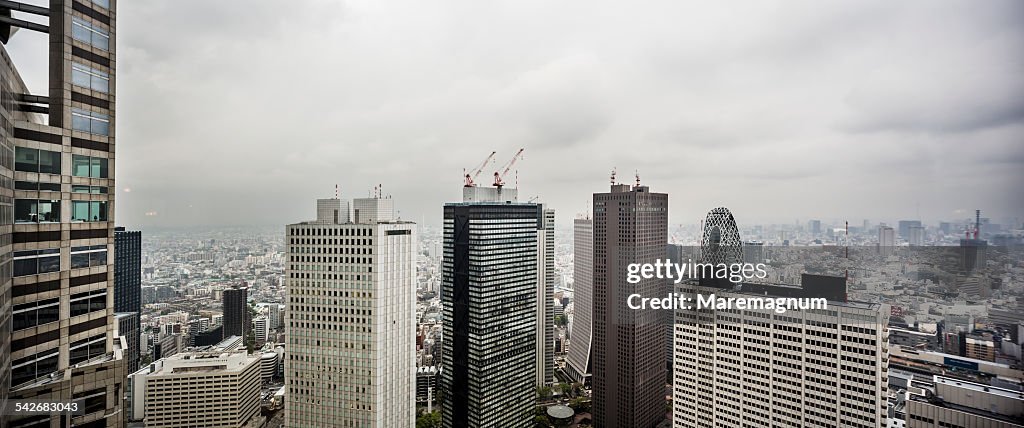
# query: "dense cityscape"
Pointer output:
{"type": "Point", "coordinates": [491, 309]}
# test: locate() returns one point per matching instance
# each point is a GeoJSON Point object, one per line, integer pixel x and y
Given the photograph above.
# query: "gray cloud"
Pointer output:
{"type": "Point", "coordinates": [237, 111]}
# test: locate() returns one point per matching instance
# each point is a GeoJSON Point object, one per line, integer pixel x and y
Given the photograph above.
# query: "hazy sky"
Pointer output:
{"type": "Point", "coordinates": [244, 112]}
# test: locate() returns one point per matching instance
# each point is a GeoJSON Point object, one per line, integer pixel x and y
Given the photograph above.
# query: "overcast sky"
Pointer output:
{"type": "Point", "coordinates": [244, 112]}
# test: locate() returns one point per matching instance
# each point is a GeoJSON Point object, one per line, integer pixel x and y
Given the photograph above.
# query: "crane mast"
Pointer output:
{"type": "Point", "coordinates": [470, 176]}
{"type": "Point", "coordinates": [498, 182]}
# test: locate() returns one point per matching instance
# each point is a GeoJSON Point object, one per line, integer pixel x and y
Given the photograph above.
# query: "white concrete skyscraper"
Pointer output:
{"type": "Point", "coordinates": [351, 284]}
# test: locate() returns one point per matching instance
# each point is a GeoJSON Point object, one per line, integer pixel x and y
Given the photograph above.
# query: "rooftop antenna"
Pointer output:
{"type": "Point", "coordinates": [613, 176]}
{"type": "Point", "coordinates": [335, 190]}
{"type": "Point", "coordinates": [637, 172]}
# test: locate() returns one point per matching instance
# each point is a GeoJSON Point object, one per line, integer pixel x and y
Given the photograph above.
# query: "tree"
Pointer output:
{"type": "Point", "coordinates": [561, 320]}
{"type": "Point", "coordinates": [565, 388]}
{"type": "Point", "coordinates": [544, 392]}
{"type": "Point", "coordinates": [429, 420]}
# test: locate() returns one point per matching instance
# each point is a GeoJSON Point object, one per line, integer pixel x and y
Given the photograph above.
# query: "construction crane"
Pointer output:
{"type": "Point", "coordinates": [476, 172]}
{"type": "Point", "coordinates": [498, 175]}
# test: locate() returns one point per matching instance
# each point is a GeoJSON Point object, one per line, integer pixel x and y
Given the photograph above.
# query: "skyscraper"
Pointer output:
{"type": "Point", "coordinates": [128, 287]}
{"type": "Point", "coordinates": [61, 146]}
{"type": "Point", "coordinates": [581, 336]}
{"type": "Point", "coordinates": [630, 226]}
{"type": "Point", "coordinates": [491, 272]}
{"type": "Point", "coordinates": [351, 317]}
{"type": "Point", "coordinates": [905, 226]}
{"type": "Point", "coordinates": [545, 303]}
{"type": "Point", "coordinates": [237, 321]}
{"type": "Point", "coordinates": [886, 240]}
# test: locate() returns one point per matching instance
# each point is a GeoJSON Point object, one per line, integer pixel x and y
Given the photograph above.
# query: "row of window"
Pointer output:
{"type": "Point", "coordinates": [92, 35]}
{"type": "Point", "coordinates": [91, 122]}
{"type": "Point", "coordinates": [34, 262]}
{"type": "Point", "coordinates": [90, 78]}
{"type": "Point", "coordinates": [48, 210]}
{"type": "Point", "coordinates": [48, 162]}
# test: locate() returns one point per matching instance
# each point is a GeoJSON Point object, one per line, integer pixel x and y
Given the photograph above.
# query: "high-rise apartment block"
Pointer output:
{"type": "Point", "coordinates": [581, 335]}
{"type": "Point", "coordinates": [492, 277]}
{"type": "Point", "coordinates": [630, 226]}
{"type": "Point", "coordinates": [57, 322]}
{"type": "Point", "coordinates": [351, 317]}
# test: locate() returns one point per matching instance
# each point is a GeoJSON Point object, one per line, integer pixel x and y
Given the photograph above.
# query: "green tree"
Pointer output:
{"type": "Point", "coordinates": [544, 392]}
{"type": "Point", "coordinates": [561, 320]}
{"type": "Point", "coordinates": [565, 388]}
{"type": "Point", "coordinates": [429, 420]}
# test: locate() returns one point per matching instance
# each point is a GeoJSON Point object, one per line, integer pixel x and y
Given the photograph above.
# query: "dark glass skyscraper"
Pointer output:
{"type": "Point", "coordinates": [128, 289]}
{"type": "Point", "coordinates": [491, 280]}
{"type": "Point", "coordinates": [60, 144]}
{"type": "Point", "coordinates": [236, 312]}
{"type": "Point", "coordinates": [630, 226]}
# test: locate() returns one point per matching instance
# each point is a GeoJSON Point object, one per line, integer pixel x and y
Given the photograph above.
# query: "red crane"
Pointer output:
{"type": "Point", "coordinates": [497, 176]}
{"type": "Point", "coordinates": [476, 172]}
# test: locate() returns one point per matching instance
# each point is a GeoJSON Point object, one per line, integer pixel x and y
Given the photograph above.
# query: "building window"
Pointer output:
{"type": "Point", "coordinates": [102, 3]}
{"type": "Point", "coordinates": [33, 367]}
{"type": "Point", "coordinates": [33, 186]}
{"type": "Point", "coordinates": [36, 313]}
{"type": "Point", "coordinates": [91, 35]}
{"type": "Point", "coordinates": [36, 211]}
{"type": "Point", "coordinates": [89, 189]}
{"type": "Point", "coordinates": [34, 262]}
{"type": "Point", "coordinates": [34, 160]}
{"type": "Point", "coordinates": [82, 257]}
{"type": "Point", "coordinates": [91, 78]}
{"type": "Point", "coordinates": [89, 348]}
{"type": "Point", "coordinates": [90, 301]}
{"type": "Point", "coordinates": [91, 122]}
{"type": "Point", "coordinates": [85, 166]}
{"type": "Point", "coordinates": [88, 211]}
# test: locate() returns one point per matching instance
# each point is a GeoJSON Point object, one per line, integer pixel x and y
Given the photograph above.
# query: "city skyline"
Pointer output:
{"type": "Point", "coordinates": [739, 104]}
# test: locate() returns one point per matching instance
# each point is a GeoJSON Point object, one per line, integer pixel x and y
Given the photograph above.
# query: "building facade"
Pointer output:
{"type": "Point", "coordinates": [756, 368]}
{"type": "Point", "coordinates": [351, 318]}
{"type": "Point", "coordinates": [237, 321]}
{"type": "Point", "coordinates": [57, 156]}
{"type": "Point", "coordinates": [195, 389]}
{"type": "Point", "coordinates": [581, 335]}
{"type": "Point", "coordinates": [491, 272]}
{"type": "Point", "coordinates": [630, 226]}
{"type": "Point", "coordinates": [128, 288]}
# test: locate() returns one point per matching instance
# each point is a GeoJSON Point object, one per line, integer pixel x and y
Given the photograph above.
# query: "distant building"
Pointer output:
{"type": "Point", "coordinates": [886, 240]}
{"type": "Point", "coordinates": [236, 312]}
{"type": "Point", "coordinates": [261, 329]}
{"type": "Point", "coordinates": [960, 403]}
{"type": "Point", "coordinates": [128, 327]}
{"type": "Point", "coordinates": [128, 287]}
{"type": "Point", "coordinates": [905, 226]}
{"type": "Point", "coordinates": [215, 389]}
{"type": "Point", "coordinates": [581, 335]}
{"type": "Point", "coordinates": [426, 384]}
{"type": "Point", "coordinates": [916, 235]}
